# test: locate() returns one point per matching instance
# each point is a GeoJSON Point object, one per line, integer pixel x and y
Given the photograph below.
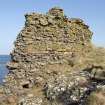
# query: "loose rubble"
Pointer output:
{"type": "Point", "coordinates": [68, 89]}
{"type": "Point", "coordinates": [54, 63]}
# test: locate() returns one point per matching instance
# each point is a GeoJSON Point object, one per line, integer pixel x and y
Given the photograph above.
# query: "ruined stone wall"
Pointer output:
{"type": "Point", "coordinates": [47, 42]}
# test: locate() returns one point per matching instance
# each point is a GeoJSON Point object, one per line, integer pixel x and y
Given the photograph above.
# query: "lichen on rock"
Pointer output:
{"type": "Point", "coordinates": [53, 62]}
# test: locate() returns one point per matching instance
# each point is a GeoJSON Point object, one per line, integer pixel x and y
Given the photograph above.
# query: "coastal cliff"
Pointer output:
{"type": "Point", "coordinates": [54, 63]}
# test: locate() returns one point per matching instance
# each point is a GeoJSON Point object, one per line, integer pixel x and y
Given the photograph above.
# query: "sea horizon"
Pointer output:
{"type": "Point", "coordinates": [4, 59]}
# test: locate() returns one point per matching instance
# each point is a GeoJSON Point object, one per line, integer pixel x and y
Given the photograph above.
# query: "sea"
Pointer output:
{"type": "Point", "coordinates": [3, 70]}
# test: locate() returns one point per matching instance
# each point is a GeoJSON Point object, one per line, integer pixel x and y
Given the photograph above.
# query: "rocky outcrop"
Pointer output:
{"type": "Point", "coordinates": [53, 62]}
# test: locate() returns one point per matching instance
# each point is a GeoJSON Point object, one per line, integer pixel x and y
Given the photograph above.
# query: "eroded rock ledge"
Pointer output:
{"type": "Point", "coordinates": [54, 63]}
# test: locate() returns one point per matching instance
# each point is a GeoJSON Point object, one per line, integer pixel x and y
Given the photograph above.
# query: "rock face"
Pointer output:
{"type": "Point", "coordinates": [53, 63]}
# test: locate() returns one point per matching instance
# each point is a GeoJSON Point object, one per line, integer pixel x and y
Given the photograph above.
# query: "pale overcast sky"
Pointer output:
{"type": "Point", "coordinates": [12, 17]}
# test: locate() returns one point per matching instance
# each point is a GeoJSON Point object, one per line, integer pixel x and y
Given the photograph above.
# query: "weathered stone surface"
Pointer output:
{"type": "Point", "coordinates": [53, 62]}
{"type": "Point", "coordinates": [97, 97]}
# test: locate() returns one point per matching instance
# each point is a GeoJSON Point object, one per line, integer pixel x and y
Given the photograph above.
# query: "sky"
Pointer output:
{"type": "Point", "coordinates": [12, 17]}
